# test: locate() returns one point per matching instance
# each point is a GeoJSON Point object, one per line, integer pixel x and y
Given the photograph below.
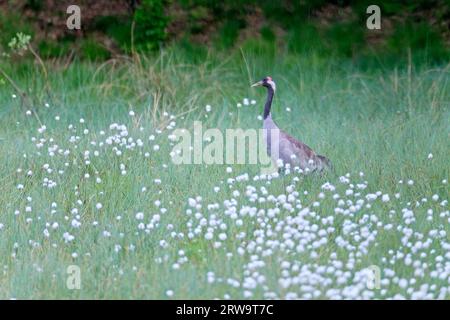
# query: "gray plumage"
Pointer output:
{"type": "Point", "coordinates": [281, 146]}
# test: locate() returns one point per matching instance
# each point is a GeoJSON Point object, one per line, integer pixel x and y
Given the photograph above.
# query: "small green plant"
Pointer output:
{"type": "Point", "coordinates": [19, 44]}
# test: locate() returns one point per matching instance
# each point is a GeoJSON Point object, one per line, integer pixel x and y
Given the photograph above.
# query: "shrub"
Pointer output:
{"type": "Point", "coordinates": [11, 24]}
{"type": "Point", "coordinates": [116, 27]}
{"type": "Point", "coordinates": [150, 24]}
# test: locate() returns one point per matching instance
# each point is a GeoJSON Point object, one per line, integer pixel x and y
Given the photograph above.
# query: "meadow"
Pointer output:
{"type": "Point", "coordinates": [87, 180]}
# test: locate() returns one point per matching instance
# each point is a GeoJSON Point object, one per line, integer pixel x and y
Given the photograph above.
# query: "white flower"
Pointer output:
{"type": "Point", "coordinates": [75, 223]}
{"type": "Point", "coordinates": [99, 206]}
{"type": "Point", "coordinates": [163, 243]}
{"type": "Point", "coordinates": [430, 156]}
{"type": "Point", "coordinates": [208, 236]}
{"type": "Point", "coordinates": [131, 113]}
{"type": "Point", "coordinates": [192, 202]}
{"type": "Point", "coordinates": [68, 237]}
{"type": "Point", "coordinates": [328, 186]}
{"type": "Point", "coordinates": [385, 198]}
{"type": "Point", "coordinates": [140, 215]}
{"type": "Point", "coordinates": [208, 108]}
{"type": "Point", "coordinates": [279, 163]}
{"type": "Point", "coordinates": [169, 293]}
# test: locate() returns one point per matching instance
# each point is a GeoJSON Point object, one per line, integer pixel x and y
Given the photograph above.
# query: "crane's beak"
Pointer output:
{"type": "Point", "coordinates": [259, 83]}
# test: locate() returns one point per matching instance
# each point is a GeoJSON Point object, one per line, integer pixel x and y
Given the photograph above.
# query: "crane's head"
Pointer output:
{"type": "Point", "coordinates": [266, 82]}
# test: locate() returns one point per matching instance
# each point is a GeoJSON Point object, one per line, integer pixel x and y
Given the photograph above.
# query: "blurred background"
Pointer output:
{"type": "Point", "coordinates": [327, 28]}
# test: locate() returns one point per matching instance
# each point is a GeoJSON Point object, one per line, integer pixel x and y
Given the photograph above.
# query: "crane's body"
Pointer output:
{"type": "Point", "coordinates": [283, 148]}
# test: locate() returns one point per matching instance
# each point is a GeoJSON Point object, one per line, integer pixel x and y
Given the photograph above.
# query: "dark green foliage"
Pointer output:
{"type": "Point", "coordinates": [197, 16]}
{"type": "Point", "coordinates": [344, 38]}
{"type": "Point", "coordinates": [327, 28]}
{"type": "Point", "coordinates": [117, 28]}
{"type": "Point", "coordinates": [51, 49]}
{"type": "Point", "coordinates": [10, 24]}
{"type": "Point", "coordinates": [34, 5]}
{"type": "Point", "coordinates": [229, 33]}
{"type": "Point", "coordinates": [192, 52]}
{"type": "Point", "coordinates": [305, 38]}
{"type": "Point", "coordinates": [407, 8]}
{"type": "Point", "coordinates": [289, 14]}
{"type": "Point", "coordinates": [150, 24]}
{"type": "Point", "coordinates": [267, 34]}
{"type": "Point", "coordinates": [421, 39]}
{"type": "Point", "coordinates": [90, 49]}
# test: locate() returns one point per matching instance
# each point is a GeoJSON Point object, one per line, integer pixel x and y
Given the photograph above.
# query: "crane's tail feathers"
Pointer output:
{"type": "Point", "coordinates": [325, 163]}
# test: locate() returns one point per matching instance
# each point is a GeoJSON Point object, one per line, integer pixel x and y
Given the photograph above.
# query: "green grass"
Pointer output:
{"type": "Point", "coordinates": [383, 122]}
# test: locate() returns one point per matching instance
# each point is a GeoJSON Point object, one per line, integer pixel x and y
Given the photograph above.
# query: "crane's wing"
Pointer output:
{"type": "Point", "coordinates": [298, 148]}
{"type": "Point", "coordinates": [305, 155]}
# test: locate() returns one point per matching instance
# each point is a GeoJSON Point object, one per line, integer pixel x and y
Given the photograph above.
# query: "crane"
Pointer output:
{"type": "Point", "coordinates": [281, 147]}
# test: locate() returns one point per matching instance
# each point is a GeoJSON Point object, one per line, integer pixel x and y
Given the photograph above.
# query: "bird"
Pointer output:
{"type": "Point", "coordinates": [283, 149]}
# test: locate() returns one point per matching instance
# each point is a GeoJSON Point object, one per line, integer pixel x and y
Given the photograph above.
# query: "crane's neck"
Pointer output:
{"type": "Point", "coordinates": [268, 105]}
